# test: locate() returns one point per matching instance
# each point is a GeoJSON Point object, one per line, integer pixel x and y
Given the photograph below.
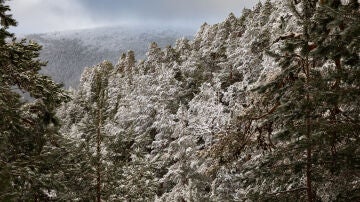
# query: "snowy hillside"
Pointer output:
{"type": "Point", "coordinates": [69, 52]}
{"type": "Point", "coordinates": [192, 122]}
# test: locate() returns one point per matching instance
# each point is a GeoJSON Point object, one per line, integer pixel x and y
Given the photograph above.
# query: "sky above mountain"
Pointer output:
{"type": "Point", "coordinates": [37, 16]}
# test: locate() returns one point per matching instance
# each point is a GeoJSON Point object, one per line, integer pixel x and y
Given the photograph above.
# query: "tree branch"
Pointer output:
{"type": "Point", "coordinates": [288, 191]}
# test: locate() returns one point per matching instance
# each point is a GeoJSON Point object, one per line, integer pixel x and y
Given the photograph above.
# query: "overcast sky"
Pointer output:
{"type": "Point", "coordinates": [36, 16]}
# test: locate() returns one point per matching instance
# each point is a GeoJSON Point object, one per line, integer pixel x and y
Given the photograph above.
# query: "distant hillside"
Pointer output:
{"type": "Point", "coordinates": [68, 53]}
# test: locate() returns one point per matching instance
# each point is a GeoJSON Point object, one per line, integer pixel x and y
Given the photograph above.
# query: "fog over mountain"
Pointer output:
{"type": "Point", "coordinates": [69, 52]}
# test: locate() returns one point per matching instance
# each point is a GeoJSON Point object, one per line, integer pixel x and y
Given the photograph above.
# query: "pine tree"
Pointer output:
{"type": "Point", "coordinates": [92, 126]}
{"type": "Point", "coordinates": [337, 47]}
{"type": "Point", "coordinates": [311, 107]}
{"type": "Point", "coordinates": [98, 120]}
{"type": "Point", "coordinates": [297, 138]}
{"type": "Point", "coordinates": [30, 143]}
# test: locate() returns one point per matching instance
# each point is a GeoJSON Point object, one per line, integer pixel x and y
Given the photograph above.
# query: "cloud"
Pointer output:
{"type": "Point", "coordinates": [45, 15]}
{"type": "Point", "coordinates": [166, 10]}
{"type": "Point", "coordinates": [36, 16]}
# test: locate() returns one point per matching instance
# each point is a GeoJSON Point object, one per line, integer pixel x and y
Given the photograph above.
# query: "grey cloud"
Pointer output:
{"type": "Point", "coordinates": [45, 15]}
{"type": "Point", "coordinates": [51, 15]}
{"type": "Point", "coordinates": [166, 10]}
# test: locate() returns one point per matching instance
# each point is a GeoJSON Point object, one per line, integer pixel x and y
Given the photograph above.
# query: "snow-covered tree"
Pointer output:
{"type": "Point", "coordinates": [260, 107]}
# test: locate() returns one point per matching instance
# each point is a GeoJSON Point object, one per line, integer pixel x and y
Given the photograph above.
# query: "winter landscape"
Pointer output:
{"type": "Point", "coordinates": [69, 52]}
{"type": "Point", "coordinates": [263, 105]}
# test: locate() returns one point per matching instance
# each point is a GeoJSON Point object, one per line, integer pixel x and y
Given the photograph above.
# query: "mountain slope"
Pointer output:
{"type": "Point", "coordinates": [176, 117]}
{"type": "Point", "coordinates": [68, 53]}
{"type": "Point", "coordinates": [172, 105]}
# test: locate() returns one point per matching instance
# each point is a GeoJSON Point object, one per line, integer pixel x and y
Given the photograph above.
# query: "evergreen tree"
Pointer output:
{"type": "Point", "coordinates": [93, 132]}
{"type": "Point", "coordinates": [292, 138]}
{"type": "Point", "coordinates": [30, 146]}
{"type": "Point", "coordinates": [297, 139]}
{"type": "Point", "coordinates": [310, 108]}
{"type": "Point", "coordinates": [337, 33]}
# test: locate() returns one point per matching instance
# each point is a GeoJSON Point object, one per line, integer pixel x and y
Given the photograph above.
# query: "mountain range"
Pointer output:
{"type": "Point", "coordinates": [69, 52]}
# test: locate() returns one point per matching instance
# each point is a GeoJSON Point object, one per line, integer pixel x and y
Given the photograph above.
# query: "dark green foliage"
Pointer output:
{"type": "Point", "coordinates": [30, 147]}
{"type": "Point", "coordinates": [262, 43]}
{"type": "Point", "coordinates": [316, 105]}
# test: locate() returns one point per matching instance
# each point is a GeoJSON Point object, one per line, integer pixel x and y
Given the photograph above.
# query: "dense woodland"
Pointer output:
{"type": "Point", "coordinates": [261, 107]}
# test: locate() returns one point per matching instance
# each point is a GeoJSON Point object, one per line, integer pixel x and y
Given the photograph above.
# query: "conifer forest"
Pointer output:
{"type": "Point", "coordinates": [259, 107]}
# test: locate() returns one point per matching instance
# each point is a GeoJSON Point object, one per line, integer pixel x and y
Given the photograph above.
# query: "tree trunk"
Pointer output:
{"type": "Point", "coordinates": [308, 162]}
{"type": "Point", "coordinates": [307, 10]}
{"type": "Point", "coordinates": [98, 154]}
{"type": "Point", "coordinates": [308, 137]}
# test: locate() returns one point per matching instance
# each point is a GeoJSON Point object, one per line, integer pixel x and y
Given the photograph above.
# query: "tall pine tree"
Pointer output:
{"type": "Point", "coordinates": [306, 118]}
{"type": "Point", "coordinates": [29, 139]}
{"type": "Point", "coordinates": [313, 106]}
